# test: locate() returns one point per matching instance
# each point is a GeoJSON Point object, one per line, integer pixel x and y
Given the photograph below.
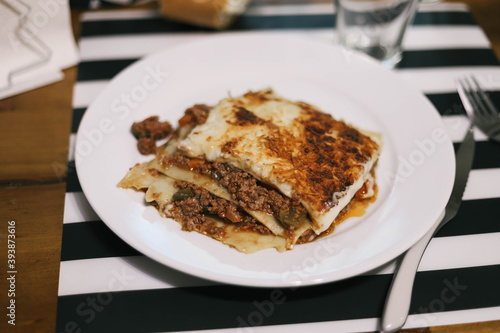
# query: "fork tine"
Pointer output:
{"type": "Point", "coordinates": [479, 107]}
{"type": "Point", "coordinates": [482, 116]}
{"type": "Point", "coordinates": [489, 107]}
{"type": "Point", "coordinates": [464, 96]}
{"type": "Point", "coordinates": [478, 115]}
{"type": "Point", "coordinates": [480, 110]}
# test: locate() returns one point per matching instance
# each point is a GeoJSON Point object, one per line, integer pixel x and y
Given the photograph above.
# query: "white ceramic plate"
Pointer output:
{"type": "Point", "coordinates": [415, 172]}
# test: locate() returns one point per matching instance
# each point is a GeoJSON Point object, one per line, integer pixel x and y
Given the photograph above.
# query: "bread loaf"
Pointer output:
{"type": "Point", "coordinates": [217, 14]}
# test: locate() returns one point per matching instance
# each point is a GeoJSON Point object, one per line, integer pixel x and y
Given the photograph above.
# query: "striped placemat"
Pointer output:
{"type": "Point", "coordinates": [107, 286]}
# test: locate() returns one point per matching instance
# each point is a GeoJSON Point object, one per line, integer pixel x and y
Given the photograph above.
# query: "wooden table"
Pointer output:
{"type": "Point", "coordinates": [34, 140]}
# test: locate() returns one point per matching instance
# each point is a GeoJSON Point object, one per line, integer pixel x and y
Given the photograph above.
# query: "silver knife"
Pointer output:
{"type": "Point", "coordinates": [397, 304]}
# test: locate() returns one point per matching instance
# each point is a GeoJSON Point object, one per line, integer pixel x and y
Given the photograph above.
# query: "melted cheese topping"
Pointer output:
{"type": "Point", "coordinates": [303, 152]}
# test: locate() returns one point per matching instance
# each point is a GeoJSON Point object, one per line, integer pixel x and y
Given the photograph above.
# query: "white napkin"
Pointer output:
{"type": "Point", "coordinates": [36, 43]}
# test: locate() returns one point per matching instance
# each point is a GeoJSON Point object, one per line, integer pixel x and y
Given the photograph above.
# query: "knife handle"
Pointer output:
{"type": "Point", "coordinates": [397, 304]}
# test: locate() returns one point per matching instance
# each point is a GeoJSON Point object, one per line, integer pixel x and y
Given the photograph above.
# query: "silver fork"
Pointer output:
{"type": "Point", "coordinates": [479, 107]}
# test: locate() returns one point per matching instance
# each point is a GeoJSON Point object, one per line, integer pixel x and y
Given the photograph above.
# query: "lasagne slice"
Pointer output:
{"type": "Point", "coordinates": [258, 171]}
{"type": "Point", "coordinates": [306, 154]}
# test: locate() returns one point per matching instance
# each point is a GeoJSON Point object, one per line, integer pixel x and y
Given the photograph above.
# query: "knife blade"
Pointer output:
{"type": "Point", "coordinates": [398, 300]}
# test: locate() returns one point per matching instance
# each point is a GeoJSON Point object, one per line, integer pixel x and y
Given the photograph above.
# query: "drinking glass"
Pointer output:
{"type": "Point", "coordinates": [375, 27]}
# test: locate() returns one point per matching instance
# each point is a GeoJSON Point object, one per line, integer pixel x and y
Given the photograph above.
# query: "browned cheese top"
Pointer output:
{"type": "Point", "coordinates": [293, 146]}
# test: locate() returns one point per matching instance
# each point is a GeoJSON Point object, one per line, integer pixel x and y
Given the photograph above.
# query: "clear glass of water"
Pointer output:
{"type": "Point", "coordinates": [375, 27]}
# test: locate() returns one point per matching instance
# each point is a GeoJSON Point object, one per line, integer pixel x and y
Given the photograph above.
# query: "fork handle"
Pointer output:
{"type": "Point", "coordinates": [397, 304]}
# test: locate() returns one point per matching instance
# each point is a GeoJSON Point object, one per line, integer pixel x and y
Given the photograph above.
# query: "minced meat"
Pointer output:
{"type": "Point", "coordinates": [193, 212]}
{"type": "Point", "coordinates": [195, 115]}
{"type": "Point", "coordinates": [245, 190]}
{"type": "Point", "coordinates": [146, 146]}
{"type": "Point", "coordinates": [148, 131]}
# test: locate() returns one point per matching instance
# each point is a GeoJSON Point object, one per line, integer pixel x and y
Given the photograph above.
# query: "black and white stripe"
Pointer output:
{"type": "Point", "coordinates": [218, 306]}
{"type": "Point", "coordinates": [156, 24]}
{"type": "Point", "coordinates": [458, 277]}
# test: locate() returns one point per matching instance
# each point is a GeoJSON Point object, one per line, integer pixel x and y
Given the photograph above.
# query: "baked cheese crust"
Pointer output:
{"type": "Point", "coordinates": [303, 152]}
